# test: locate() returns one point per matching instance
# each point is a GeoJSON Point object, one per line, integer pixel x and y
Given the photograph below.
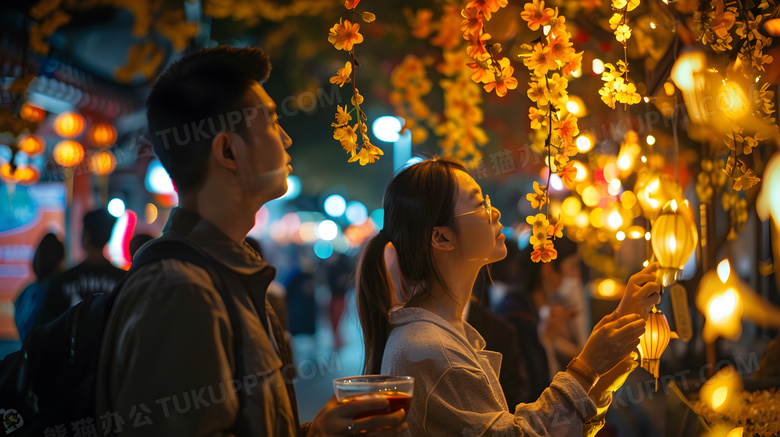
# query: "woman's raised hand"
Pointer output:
{"type": "Point", "coordinates": [642, 292]}
{"type": "Point", "coordinates": [611, 341]}
{"type": "Point", "coordinates": [336, 419]}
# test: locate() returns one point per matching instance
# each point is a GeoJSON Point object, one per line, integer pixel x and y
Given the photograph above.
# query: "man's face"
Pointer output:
{"type": "Point", "coordinates": [263, 162]}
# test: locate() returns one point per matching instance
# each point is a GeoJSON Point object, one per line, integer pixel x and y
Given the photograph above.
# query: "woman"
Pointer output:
{"type": "Point", "coordinates": [444, 230]}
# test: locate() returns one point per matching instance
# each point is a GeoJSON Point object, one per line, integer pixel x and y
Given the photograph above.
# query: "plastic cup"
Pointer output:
{"type": "Point", "coordinates": [397, 390]}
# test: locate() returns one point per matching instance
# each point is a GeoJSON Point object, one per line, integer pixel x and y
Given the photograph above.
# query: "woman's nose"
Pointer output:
{"type": "Point", "coordinates": [495, 214]}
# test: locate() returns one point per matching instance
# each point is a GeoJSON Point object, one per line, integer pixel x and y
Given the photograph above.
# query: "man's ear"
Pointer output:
{"type": "Point", "coordinates": [222, 149]}
{"type": "Point", "coordinates": [443, 238]}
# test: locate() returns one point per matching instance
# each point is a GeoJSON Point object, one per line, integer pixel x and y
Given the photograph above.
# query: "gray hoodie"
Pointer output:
{"type": "Point", "coordinates": [456, 388]}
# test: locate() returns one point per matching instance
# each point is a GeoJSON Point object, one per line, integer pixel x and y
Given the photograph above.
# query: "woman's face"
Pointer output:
{"type": "Point", "coordinates": [481, 242]}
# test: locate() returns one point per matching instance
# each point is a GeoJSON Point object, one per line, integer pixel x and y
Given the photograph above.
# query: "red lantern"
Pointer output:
{"type": "Point", "coordinates": [102, 162]}
{"type": "Point", "coordinates": [32, 113]}
{"type": "Point", "coordinates": [103, 135]}
{"type": "Point", "coordinates": [68, 124]}
{"type": "Point", "coordinates": [68, 153]}
{"type": "Point", "coordinates": [32, 145]}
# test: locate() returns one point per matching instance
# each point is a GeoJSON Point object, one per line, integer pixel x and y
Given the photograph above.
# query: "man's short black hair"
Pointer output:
{"type": "Point", "coordinates": [98, 225]}
{"type": "Point", "coordinates": [194, 96]}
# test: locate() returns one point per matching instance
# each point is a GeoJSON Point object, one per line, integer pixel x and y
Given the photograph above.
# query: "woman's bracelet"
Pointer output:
{"type": "Point", "coordinates": [579, 367]}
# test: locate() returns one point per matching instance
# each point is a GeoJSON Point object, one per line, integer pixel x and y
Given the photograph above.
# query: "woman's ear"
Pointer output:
{"type": "Point", "coordinates": [443, 238]}
{"type": "Point", "coordinates": [222, 151]}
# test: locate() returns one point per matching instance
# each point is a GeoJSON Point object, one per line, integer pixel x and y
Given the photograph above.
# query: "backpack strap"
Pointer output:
{"type": "Point", "coordinates": [164, 249]}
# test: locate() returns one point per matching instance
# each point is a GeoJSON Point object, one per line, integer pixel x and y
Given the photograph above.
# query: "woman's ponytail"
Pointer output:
{"type": "Point", "coordinates": [373, 302]}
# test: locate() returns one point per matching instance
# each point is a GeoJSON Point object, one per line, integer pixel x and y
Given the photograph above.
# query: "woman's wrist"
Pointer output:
{"type": "Point", "coordinates": [586, 374]}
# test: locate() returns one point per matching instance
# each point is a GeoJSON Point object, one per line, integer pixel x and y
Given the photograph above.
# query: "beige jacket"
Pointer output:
{"type": "Point", "coordinates": [456, 389]}
{"type": "Point", "coordinates": [167, 362]}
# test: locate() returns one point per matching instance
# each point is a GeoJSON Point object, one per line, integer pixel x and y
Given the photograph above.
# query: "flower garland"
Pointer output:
{"type": "Point", "coordinates": [616, 86]}
{"type": "Point", "coordinates": [410, 84]}
{"type": "Point", "coordinates": [550, 61]}
{"type": "Point", "coordinates": [344, 36]}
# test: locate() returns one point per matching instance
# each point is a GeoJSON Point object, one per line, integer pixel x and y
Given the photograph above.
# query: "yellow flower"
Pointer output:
{"type": "Point", "coordinates": [367, 155]}
{"type": "Point", "coordinates": [345, 35]}
{"type": "Point", "coordinates": [480, 74]}
{"type": "Point", "coordinates": [544, 253]}
{"type": "Point", "coordinates": [567, 129]}
{"type": "Point", "coordinates": [559, 48]}
{"type": "Point", "coordinates": [539, 197]}
{"type": "Point", "coordinates": [568, 174]}
{"type": "Point", "coordinates": [472, 21]}
{"type": "Point", "coordinates": [487, 7]}
{"type": "Point", "coordinates": [555, 230]}
{"type": "Point", "coordinates": [556, 88]}
{"type": "Point", "coordinates": [615, 20]}
{"type": "Point", "coordinates": [623, 33]}
{"type": "Point", "coordinates": [746, 181]}
{"type": "Point", "coordinates": [537, 92]}
{"type": "Point", "coordinates": [345, 133]}
{"type": "Point", "coordinates": [359, 98]}
{"type": "Point", "coordinates": [342, 116]}
{"type": "Point", "coordinates": [538, 117]}
{"type": "Point", "coordinates": [627, 93]}
{"type": "Point", "coordinates": [538, 222]}
{"type": "Point", "coordinates": [539, 62]}
{"type": "Point", "coordinates": [342, 75]}
{"type": "Point", "coordinates": [536, 14]}
{"type": "Point", "coordinates": [574, 64]}
{"type": "Point", "coordinates": [504, 82]}
{"type": "Point", "coordinates": [476, 46]}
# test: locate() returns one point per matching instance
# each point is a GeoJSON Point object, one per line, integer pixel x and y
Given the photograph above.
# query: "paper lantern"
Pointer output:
{"type": "Point", "coordinates": [653, 342]}
{"type": "Point", "coordinates": [684, 69]}
{"type": "Point", "coordinates": [68, 124]}
{"type": "Point", "coordinates": [68, 153]}
{"type": "Point", "coordinates": [32, 145]}
{"type": "Point", "coordinates": [674, 238]}
{"type": "Point", "coordinates": [102, 162]}
{"type": "Point", "coordinates": [720, 300]}
{"type": "Point", "coordinates": [32, 113]}
{"type": "Point", "coordinates": [653, 190]}
{"type": "Point", "coordinates": [103, 135]}
{"type": "Point", "coordinates": [723, 392]}
{"type": "Point", "coordinates": [27, 175]}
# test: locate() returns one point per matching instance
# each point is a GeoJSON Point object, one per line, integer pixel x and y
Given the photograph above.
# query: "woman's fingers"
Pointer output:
{"type": "Point", "coordinates": [382, 422]}
{"type": "Point", "coordinates": [361, 403]}
{"type": "Point", "coordinates": [640, 279]}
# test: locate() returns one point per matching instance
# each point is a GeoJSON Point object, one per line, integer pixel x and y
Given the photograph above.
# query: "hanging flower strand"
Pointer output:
{"type": "Point", "coordinates": [344, 36]}
{"type": "Point", "coordinates": [550, 62]}
{"type": "Point", "coordinates": [616, 87]}
{"type": "Point", "coordinates": [494, 73]}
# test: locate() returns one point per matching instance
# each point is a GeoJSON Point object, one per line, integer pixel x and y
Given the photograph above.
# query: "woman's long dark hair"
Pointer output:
{"type": "Point", "coordinates": [419, 198]}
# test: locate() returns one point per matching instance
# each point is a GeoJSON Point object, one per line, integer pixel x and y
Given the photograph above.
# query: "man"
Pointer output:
{"type": "Point", "coordinates": [167, 362]}
{"type": "Point", "coordinates": [96, 274]}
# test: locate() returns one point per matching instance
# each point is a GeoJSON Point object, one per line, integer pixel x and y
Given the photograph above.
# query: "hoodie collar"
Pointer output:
{"type": "Point", "coordinates": [403, 316]}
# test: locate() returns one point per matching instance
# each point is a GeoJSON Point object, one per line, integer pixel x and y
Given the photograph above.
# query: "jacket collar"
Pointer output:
{"type": "Point", "coordinates": [403, 316]}
{"type": "Point", "coordinates": [240, 258]}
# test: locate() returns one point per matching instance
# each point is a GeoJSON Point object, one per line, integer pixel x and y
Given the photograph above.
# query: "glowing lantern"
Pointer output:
{"type": "Point", "coordinates": [654, 341]}
{"type": "Point", "coordinates": [68, 124]}
{"type": "Point", "coordinates": [687, 65]}
{"type": "Point", "coordinates": [102, 162]}
{"type": "Point", "coordinates": [609, 289]}
{"type": "Point", "coordinates": [653, 190]}
{"type": "Point", "coordinates": [32, 113]}
{"type": "Point", "coordinates": [27, 175]}
{"type": "Point", "coordinates": [720, 301]}
{"type": "Point", "coordinates": [674, 238]}
{"type": "Point", "coordinates": [103, 135]}
{"type": "Point", "coordinates": [68, 153]}
{"type": "Point", "coordinates": [627, 157]}
{"type": "Point", "coordinates": [32, 145]}
{"type": "Point", "coordinates": [722, 392]}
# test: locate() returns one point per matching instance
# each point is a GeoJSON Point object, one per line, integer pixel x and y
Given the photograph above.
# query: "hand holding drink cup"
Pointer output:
{"type": "Point", "coordinates": [374, 405]}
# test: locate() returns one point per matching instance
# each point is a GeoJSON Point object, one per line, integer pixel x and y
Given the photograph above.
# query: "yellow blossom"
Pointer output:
{"type": "Point", "coordinates": [503, 82]}
{"type": "Point", "coordinates": [538, 117]}
{"type": "Point", "coordinates": [345, 35]}
{"type": "Point", "coordinates": [536, 14]}
{"type": "Point", "coordinates": [555, 230]}
{"type": "Point", "coordinates": [539, 197]}
{"type": "Point", "coordinates": [342, 116]}
{"type": "Point", "coordinates": [342, 75]}
{"type": "Point", "coordinates": [623, 33]}
{"type": "Point", "coordinates": [544, 253]}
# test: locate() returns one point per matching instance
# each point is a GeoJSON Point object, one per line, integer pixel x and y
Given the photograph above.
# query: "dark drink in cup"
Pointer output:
{"type": "Point", "coordinates": [396, 401]}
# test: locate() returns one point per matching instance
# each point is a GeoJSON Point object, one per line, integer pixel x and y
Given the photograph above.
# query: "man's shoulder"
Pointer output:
{"type": "Point", "coordinates": [166, 274]}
